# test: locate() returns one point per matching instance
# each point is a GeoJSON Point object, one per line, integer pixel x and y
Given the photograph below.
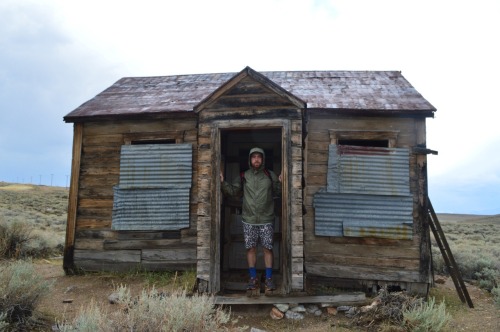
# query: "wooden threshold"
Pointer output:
{"type": "Point", "coordinates": [357, 298]}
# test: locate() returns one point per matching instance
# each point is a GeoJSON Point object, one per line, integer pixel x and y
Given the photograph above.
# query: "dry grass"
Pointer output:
{"type": "Point", "coordinates": [35, 214]}
{"type": "Point", "coordinates": [475, 244]}
{"type": "Point", "coordinates": [38, 215]}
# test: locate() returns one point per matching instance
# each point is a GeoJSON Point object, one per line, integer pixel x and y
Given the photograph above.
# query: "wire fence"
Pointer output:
{"type": "Point", "coordinates": [53, 180]}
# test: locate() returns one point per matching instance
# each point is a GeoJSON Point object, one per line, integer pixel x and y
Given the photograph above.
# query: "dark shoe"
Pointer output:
{"type": "Point", "coordinates": [252, 284]}
{"type": "Point", "coordinates": [270, 284]}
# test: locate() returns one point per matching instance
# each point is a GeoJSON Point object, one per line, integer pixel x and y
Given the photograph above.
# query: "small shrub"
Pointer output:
{"type": "Point", "coordinates": [152, 311]}
{"type": "Point", "coordinates": [496, 296]}
{"type": "Point", "coordinates": [3, 323]}
{"type": "Point", "coordinates": [427, 317]}
{"type": "Point", "coordinates": [21, 289]}
{"type": "Point", "coordinates": [91, 318]}
{"type": "Point", "coordinates": [487, 278]}
{"type": "Point", "coordinates": [13, 239]}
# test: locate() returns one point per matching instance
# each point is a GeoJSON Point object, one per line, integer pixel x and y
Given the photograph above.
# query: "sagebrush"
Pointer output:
{"type": "Point", "coordinates": [476, 251]}
{"type": "Point", "coordinates": [32, 221]}
{"type": "Point", "coordinates": [21, 289]}
{"type": "Point", "coordinates": [151, 311]}
{"type": "Point", "coordinates": [426, 317]}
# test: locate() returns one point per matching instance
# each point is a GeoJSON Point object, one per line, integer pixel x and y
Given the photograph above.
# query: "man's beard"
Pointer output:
{"type": "Point", "coordinates": [254, 166]}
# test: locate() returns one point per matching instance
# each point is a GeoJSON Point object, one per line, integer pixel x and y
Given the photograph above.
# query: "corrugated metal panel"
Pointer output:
{"type": "Point", "coordinates": [368, 170]}
{"type": "Point", "coordinates": [363, 215]}
{"type": "Point", "coordinates": [326, 223]}
{"type": "Point", "coordinates": [156, 166]}
{"type": "Point", "coordinates": [380, 230]}
{"type": "Point", "coordinates": [150, 209]}
{"type": "Point", "coordinates": [154, 189]}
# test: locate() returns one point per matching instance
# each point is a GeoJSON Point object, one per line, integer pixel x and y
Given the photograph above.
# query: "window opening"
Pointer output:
{"type": "Point", "coordinates": [160, 141]}
{"type": "Point", "coordinates": [365, 142]}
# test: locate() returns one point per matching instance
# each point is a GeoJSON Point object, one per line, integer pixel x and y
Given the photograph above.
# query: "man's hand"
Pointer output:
{"type": "Point", "coordinates": [221, 177]}
{"type": "Point", "coordinates": [280, 178]}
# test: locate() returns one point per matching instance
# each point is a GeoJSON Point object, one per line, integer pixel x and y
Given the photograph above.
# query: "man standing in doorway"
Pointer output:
{"type": "Point", "coordinates": [259, 185]}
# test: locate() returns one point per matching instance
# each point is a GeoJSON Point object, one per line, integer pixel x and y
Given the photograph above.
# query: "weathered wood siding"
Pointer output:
{"type": "Point", "coordinates": [249, 105]}
{"type": "Point", "coordinates": [96, 246]}
{"type": "Point", "coordinates": [368, 260]}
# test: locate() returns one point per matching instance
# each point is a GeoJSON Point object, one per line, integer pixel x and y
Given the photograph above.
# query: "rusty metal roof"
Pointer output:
{"type": "Point", "coordinates": [379, 91]}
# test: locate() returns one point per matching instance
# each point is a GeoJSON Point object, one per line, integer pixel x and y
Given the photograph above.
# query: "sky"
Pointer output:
{"type": "Point", "coordinates": [57, 54]}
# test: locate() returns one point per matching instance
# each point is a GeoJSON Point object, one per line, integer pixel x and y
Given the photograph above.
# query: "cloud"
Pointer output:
{"type": "Point", "coordinates": [57, 54]}
{"type": "Point", "coordinates": [42, 77]}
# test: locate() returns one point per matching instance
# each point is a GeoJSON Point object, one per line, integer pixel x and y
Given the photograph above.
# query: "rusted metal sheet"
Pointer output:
{"type": "Point", "coordinates": [380, 230]}
{"type": "Point", "coordinates": [156, 166]}
{"type": "Point", "coordinates": [368, 170]}
{"type": "Point", "coordinates": [382, 91]}
{"type": "Point", "coordinates": [154, 188]}
{"type": "Point", "coordinates": [150, 209]}
{"type": "Point", "coordinates": [363, 215]}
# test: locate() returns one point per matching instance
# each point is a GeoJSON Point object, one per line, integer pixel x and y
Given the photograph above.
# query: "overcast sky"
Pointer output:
{"type": "Point", "coordinates": [57, 54]}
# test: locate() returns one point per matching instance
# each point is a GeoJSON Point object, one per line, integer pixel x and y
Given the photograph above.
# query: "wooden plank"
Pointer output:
{"type": "Point", "coordinates": [171, 254]}
{"type": "Point", "coordinates": [105, 170]}
{"type": "Point", "coordinates": [96, 203]}
{"type": "Point", "coordinates": [96, 182]}
{"type": "Point", "coordinates": [173, 123]}
{"type": "Point", "coordinates": [116, 244]}
{"type": "Point", "coordinates": [93, 222]}
{"type": "Point", "coordinates": [97, 214]}
{"type": "Point", "coordinates": [113, 139]}
{"type": "Point", "coordinates": [89, 244]}
{"type": "Point", "coordinates": [361, 272]}
{"type": "Point", "coordinates": [244, 101]}
{"type": "Point", "coordinates": [317, 157]}
{"type": "Point", "coordinates": [316, 179]}
{"type": "Point", "coordinates": [93, 265]}
{"type": "Point", "coordinates": [321, 248]}
{"type": "Point", "coordinates": [96, 234]}
{"type": "Point", "coordinates": [108, 257]}
{"type": "Point", "coordinates": [148, 235]}
{"type": "Point", "coordinates": [374, 262]}
{"type": "Point", "coordinates": [169, 265]}
{"type": "Point", "coordinates": [68, 263]}
{"type": "Point", "coordinates": [334, 300]}
{"type": "Point", "coordinates": [313, 145]}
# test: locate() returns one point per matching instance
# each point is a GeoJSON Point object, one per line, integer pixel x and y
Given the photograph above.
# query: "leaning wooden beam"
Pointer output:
{"type": "Point", "coordinates": [334, 300]}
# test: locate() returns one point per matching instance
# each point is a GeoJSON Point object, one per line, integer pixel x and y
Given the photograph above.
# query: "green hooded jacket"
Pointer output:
{"type": "Point", "coordinates": [258, 192]}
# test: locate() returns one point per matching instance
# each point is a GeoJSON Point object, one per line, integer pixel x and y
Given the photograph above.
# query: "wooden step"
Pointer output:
{"type": "Point", "coordinates": [357, 298]}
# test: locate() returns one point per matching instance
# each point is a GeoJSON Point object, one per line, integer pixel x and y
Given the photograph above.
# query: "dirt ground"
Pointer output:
{"type": "Point", "coordinates": [71, 293]}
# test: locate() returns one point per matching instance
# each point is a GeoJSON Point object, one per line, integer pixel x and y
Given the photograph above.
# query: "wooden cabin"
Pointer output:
{"type": "Point", "coordinates": [351, 147]}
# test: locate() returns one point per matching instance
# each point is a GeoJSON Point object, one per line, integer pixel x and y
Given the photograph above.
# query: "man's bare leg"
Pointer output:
{"type": "Point", "coordinates": [252, 257]}
{"type": "Point", "coordinates": [268, 257]}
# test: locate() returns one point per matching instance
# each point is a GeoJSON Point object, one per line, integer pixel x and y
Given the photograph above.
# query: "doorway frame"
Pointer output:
{"type": "Point", "coordinates": [214, 282]}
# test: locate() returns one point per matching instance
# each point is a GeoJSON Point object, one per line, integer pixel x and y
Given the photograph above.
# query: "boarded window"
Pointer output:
{"type": "Point", "coordinates": [154, 188]}
{"type": "Point", "coordinates": [367, 194]}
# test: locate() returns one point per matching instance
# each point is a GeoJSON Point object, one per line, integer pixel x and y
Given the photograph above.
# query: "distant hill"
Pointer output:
{"type": "Point", "coordinates": [451, 217]}
{"type": "Point", "coordinates": [48, 191]}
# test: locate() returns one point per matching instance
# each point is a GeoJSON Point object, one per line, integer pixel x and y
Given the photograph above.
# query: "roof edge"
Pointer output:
{"type": "Point", "coordinates": [133, 116]}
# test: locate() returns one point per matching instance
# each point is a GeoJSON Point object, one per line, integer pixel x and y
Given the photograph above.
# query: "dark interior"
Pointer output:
{"type": "Point", "coordinates": [235, 145]}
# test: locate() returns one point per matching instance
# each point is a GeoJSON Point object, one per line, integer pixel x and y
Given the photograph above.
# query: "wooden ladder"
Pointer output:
{"type": "Point", "coordinates": [448, 256]}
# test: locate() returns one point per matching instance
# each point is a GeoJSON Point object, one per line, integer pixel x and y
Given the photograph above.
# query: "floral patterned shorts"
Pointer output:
{"type": "Point", "coordinates": [254, 233]}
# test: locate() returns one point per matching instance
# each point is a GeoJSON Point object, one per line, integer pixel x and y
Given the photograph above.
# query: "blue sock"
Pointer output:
{"type": "Point", "coordinates": [269, 272]}
{"type": "Point", "coordinates": [253, 272]}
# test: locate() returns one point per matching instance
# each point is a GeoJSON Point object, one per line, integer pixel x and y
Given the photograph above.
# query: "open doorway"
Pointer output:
{"type": "Point", "coordinates": [235, 145]}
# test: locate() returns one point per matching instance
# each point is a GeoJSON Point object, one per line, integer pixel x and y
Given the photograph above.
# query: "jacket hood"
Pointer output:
{"type": "Point", "coordinates": [258, 150]}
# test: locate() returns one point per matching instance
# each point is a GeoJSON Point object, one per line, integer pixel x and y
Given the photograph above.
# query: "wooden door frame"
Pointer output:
{"type": "Point", "coordinates": [215, 227]}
